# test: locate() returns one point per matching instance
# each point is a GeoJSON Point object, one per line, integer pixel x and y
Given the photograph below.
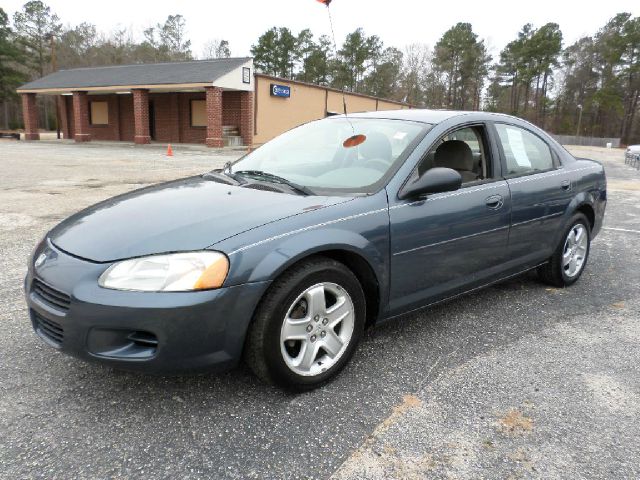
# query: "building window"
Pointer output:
{"type": "Point", "coordinates": [99, 113]}
{"type": "Point", "coordinates": [198, 113]}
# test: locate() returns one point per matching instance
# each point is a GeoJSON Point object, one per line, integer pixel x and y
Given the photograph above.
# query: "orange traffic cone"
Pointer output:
{"type": "Point", "coordinates": [169, 151]}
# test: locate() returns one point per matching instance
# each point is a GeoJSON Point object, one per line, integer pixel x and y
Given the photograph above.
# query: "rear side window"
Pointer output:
{"type": "Point", "coordinates": [524, 152]}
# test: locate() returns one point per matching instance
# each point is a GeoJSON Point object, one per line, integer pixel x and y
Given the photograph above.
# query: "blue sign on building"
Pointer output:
{"type": "Point", "coordinates": [280, 90]}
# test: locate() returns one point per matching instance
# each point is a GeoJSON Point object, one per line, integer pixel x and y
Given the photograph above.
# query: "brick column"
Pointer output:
{"type": "Point", "coordinates": [246, 118]}
{"type": "Point", "coordinates": [30, 116]}
{"type": "Point", "coordinates": [214, 117]}
{"type": "Point", "coordinates": [81, 117]}
{"type": "Point", "coordinates": [141, 116]}
{"type": "Point", "coordinates": [114, 106]}
{"type": "Point", "coordinates": [64, 116]}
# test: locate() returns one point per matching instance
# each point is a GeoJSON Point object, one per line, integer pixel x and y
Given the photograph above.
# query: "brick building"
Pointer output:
{"type": "Point", "coordinates": [216, 102]}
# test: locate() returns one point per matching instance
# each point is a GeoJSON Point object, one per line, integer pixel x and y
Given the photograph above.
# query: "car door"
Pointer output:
{"type": "Point", "coordinates": [450, 242]}
{"type": "Point", "coordinates": [540, 193]}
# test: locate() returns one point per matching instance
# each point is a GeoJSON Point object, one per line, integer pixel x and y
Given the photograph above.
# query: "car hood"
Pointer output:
{"type": "Point", "coordinates": [183, 215]}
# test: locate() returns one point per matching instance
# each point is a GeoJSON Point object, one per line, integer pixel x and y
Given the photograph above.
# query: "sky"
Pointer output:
{"type": "Point", "coordinates": [398, 23]}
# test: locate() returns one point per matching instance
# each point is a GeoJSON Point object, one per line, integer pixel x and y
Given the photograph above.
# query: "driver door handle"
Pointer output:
{"type": "Point", "coordinates": [494, 202]}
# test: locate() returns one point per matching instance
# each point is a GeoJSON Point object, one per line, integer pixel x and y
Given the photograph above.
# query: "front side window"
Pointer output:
{"type": "Point", "coordinates": [350, 155]}
{"type": "Point", "coordinates": [464, 150]}
{"type": "Point", "coordinates": [524, 152]}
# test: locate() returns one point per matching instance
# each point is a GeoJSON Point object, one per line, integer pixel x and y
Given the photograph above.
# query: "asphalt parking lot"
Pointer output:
{"type": "Point", "coordinates": [517, 381]}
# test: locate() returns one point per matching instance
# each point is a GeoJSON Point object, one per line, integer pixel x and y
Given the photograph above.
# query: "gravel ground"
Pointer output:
{"type": "Point", "coordinates": [518, 380]}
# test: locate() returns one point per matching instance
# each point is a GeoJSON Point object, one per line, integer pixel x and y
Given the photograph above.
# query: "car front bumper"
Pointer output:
{"type": "Point", "coordinates": [162, 332]}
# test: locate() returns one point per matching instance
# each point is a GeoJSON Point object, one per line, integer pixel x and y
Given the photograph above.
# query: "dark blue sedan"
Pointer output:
{"type": "Point", "coordinates": [284, 256]}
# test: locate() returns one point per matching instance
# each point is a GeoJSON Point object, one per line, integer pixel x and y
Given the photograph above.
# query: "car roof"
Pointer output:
{"type": "Point", "coordinates": [426, 116]}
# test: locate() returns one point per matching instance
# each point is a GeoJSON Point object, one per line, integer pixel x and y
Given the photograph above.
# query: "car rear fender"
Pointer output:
{"type": "Point", "coordinates": [580, 201]}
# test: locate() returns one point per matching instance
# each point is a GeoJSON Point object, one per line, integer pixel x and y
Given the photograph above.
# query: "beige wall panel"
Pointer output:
{"type": "Point", "coordinates": [354, 103]}
{"type": "Point", "coordinates": [382, 105]}
{"type": "Point", "coordinates": [276, 115]}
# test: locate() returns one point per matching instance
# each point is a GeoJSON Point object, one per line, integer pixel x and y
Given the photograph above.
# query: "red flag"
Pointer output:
{"type": "Point", "coordinates": [325, 2]}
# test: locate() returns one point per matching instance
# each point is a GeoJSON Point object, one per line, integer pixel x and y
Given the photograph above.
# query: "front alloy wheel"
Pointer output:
{"type": "Point", "coordinates": [317, 329]}
{"type": "Point", "coordinates": [308, 325]}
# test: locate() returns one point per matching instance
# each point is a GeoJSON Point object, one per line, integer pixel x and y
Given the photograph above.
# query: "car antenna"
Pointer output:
{"type": "Point", "coordinates": [335, 52]}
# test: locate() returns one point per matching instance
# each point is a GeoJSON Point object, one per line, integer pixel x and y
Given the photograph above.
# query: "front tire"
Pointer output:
{"type": "Point", "coordinates": [570, 258]}
{"type": "Point", "coordinates": [307, 326]}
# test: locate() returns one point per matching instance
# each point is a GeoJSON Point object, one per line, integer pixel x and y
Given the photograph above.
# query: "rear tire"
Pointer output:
{"type": "Point", "coordinates": [307, 326]}
{"type": "Point", "coordinates": [569, 260]}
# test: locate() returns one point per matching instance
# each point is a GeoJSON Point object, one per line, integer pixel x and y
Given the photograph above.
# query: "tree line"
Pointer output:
{"type": "Point", "coordinates": [35, 43]}
{"type": "Point", "coordinates": [590, 87]}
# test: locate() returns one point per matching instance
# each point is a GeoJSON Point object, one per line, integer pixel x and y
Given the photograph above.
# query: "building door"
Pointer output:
{"type": "Point", "coordinates": [152, 120]}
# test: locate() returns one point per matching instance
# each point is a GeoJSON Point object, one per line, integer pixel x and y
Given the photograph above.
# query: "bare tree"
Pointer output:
{"type": "Point", "coordinates": [415, 70]}
{"type": "Point", "coordinates": [216, 48]}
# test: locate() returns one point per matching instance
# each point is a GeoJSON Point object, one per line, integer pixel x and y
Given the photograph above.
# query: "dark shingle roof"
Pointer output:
{"type": "Point", "coordinates": [201, 71]}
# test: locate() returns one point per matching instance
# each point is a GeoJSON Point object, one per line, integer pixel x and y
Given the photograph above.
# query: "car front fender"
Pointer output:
{"type": "Point", "coordinates": [265, 253]}
{"type": "Point", "coordinates": [306, 244]}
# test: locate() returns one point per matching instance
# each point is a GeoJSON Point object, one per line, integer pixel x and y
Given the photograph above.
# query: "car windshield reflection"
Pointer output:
{"type": "Point", "coordinates": [352, 155]}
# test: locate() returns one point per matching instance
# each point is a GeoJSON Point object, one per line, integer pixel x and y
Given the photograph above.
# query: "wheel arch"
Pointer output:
{"type": "Point", "coordinates": [356, 263]}
{"type": "Point", "coordinates": [588, 211]}
{"type": "Point", "coordinates": [365, 255]}
{"type": "Point", "coordinates": [365, 274]}
{"type": "Point", "coordinates": [580, 204]}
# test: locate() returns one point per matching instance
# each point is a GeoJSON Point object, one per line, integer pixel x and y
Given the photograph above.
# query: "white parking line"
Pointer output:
{"type": "Point", "coordinates": [621, 230]}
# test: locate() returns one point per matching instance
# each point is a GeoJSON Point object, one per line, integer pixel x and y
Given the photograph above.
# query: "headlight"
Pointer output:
{"type": "Point", "coordinates": [175, 272]}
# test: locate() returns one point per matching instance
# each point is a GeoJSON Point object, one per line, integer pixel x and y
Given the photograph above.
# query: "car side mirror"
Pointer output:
{"type": "Point", "coordinates": [434, 180]}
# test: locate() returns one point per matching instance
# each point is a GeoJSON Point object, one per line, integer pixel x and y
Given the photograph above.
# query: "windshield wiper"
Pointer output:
{"type": "Point", "coordinates": [218, 176]}
{"type": "Point", "coordinates": [270, 177]}
{"type": "Point", "coordinates": [223, 175]}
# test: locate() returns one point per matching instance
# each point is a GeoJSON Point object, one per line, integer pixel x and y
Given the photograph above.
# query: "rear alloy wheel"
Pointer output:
{"type": "Point", "coordinates": [570, 258]}
{"type": "Point", "coordinates": [574, 252]}
{"type": "Point", "coordinates": [307, 326]}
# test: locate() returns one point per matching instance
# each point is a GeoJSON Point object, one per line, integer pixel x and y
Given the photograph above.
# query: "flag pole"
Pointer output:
{"type": "Point", "coordinates": [335, 52]}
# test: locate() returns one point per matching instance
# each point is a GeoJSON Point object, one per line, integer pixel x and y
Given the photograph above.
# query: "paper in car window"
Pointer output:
{"type": "Point", "coordinates": [399, 135]}
{"type": "Point", "coordinates": [517, 147]}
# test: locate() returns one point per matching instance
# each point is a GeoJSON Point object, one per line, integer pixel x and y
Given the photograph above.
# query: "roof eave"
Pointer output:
{"type": "Point", "coordinates": [176, 87]}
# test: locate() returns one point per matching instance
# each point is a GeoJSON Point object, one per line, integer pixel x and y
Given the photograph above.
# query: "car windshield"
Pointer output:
{"type": "Point", "coordinates": [338, 154]}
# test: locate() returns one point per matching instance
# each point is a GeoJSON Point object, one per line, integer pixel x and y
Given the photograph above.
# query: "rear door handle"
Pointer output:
{"type": "Point", "coordinates": [494, 202]}
{"type": "Point", "coordinates": [565, 185]}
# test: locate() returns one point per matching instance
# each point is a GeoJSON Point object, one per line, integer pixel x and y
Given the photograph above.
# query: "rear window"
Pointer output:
{"type": "Point", "coordinates": [524, 152]}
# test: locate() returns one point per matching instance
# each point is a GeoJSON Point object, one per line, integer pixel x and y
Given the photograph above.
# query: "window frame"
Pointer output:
{"type": "Point", "coordinates": [489, 146]}
{"type": "Point", "coordinates": [91, 119]}
{"type": "Point", "coordinates": [555, 160]}
{"type": "Point", "coordinates": [204, 100]}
